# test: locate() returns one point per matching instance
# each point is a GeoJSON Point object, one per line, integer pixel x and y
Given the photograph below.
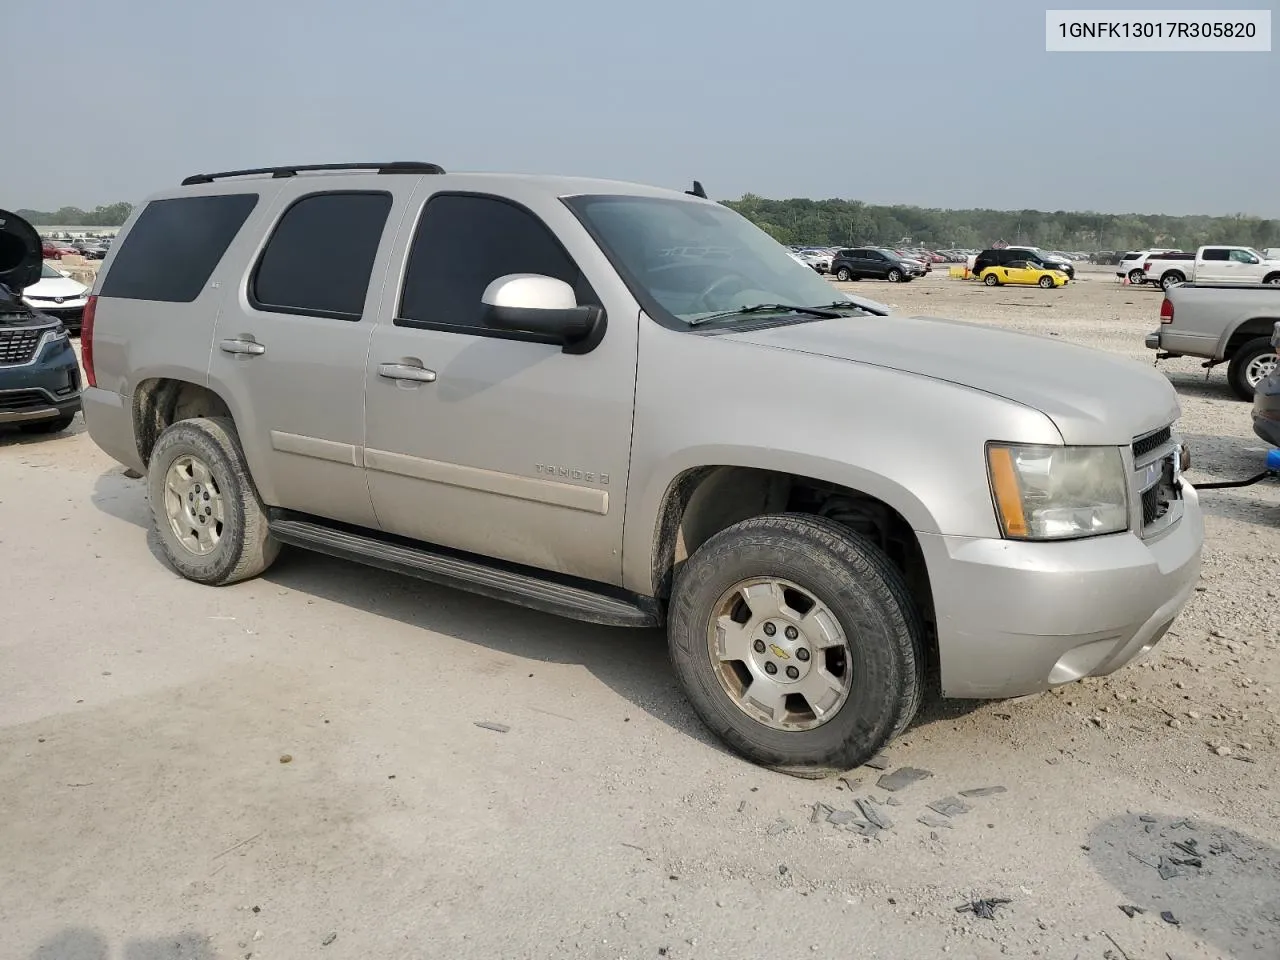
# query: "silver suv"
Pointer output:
{"type": "Point", "coordinates": [547, 390]}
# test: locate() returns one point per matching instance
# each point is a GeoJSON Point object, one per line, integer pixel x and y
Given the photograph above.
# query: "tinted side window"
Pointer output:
{"type": "Point", "coordinates": [174, 247]}
{"type": "Point", "coordinates": [465, 242]}
{"type": "Point", "coordinates": [320, 256]}
{"type": "Point", "coordinates": [1218, 254]}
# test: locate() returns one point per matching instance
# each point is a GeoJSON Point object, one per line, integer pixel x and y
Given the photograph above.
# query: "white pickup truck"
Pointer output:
{"type": "Point", "coordinates": [1212, 264]}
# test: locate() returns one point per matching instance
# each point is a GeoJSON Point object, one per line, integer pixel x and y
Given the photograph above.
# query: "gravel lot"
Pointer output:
{"type": "Point", "coordinates": [148, 811]}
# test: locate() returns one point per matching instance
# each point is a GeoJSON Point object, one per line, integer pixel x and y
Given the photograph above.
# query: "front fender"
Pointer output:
{"type": "Point", "coordinates": [916, 443]}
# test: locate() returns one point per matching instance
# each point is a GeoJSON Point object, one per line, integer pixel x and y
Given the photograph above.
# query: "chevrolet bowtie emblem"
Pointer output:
{"type": "Point", "coordinates": [779, 652]}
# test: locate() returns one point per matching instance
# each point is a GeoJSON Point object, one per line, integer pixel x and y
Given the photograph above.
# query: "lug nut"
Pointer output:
{"type": "Point", "coordinates": [758, 646]}
{"type": "Point", "coordinates": [770, 629]}
{"type": "Point", "coordinates": [792, 672]}
{"type": "Point", "coordinates": [792, 633]}
{"type": "Point", "coordinates": [771, 668]}
{"type": "Point", "coordinates": [802, 655]}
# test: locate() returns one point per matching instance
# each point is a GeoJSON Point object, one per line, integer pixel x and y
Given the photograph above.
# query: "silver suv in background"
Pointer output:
{"type": "Point", "coordinates": [512, 385]}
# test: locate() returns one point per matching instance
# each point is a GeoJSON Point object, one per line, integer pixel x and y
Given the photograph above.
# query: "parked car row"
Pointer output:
{"type": "Point", "coordinates": [91, 248]}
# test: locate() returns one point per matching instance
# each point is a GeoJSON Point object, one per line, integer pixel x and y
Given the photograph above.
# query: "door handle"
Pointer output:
{"type": "Point", "coordinates": [242, 347]}
{"type": "Point", "coordinates": [406, 371]}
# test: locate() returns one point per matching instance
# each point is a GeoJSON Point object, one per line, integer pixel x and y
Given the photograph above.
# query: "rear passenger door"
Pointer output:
{"type": "Point", "coordinates": [289, 349]}
{"type": "Point", "coordinates": [492, 442]}
{"type": "Point", "coordinates": [1214, 267]}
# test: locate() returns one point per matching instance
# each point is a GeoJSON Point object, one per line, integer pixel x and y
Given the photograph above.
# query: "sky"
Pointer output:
{"type": "Point", "coordinates": [936, 103]}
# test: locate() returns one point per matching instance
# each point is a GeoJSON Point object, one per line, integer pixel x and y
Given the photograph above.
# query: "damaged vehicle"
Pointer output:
{"type": "Point", "coordinates": [508, 384]}
{"type": "Point", "coordinates": [39, 373]}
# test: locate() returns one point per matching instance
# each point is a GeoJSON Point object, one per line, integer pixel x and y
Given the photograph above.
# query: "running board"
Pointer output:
{"type": "Point", "coordinates": [527, 589]}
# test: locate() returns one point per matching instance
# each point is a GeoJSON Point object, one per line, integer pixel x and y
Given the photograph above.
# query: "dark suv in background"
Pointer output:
{"type": "Point", "coordinates": [874, 263]}
{"type": "Point", "coordinates": [39, 373]}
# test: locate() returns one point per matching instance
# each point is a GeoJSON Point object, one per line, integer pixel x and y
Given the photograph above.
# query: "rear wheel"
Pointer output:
{"type": "Point", "coordinates": [207, 513]}
{"type": "Point", "coordinates": [1250, 365]}
{"type": "Point", "coordinates": [1046, 282]}
{"type": "Point", "coordinates": [991, 280]}
{"type": "Point", "coordinates": [894, 275]}
{"type": "Point", "coordinates": [1171, 279]}
{"type": "Point", "coordinates": [843, 274]}
{"type": "Point", "coordinates": [797, 642]}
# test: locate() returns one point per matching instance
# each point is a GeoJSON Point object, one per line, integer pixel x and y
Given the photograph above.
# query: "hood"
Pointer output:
{"type": "Point", "coordinates": [56, 287]}
{"type": "Point", "coordinates": [1092, 397]}
{"type": "Point", "coordinates": [21, 254]}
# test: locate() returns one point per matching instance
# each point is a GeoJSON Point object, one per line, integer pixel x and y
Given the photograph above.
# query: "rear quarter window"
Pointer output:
{"type": "Point", "coordinates": [174, 247]}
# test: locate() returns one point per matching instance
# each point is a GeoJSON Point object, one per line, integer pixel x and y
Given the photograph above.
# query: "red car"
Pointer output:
{"type": "Point", "coordinates": [55, 249]}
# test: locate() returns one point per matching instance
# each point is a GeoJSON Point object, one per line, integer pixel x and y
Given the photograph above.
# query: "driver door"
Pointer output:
{"type": "Point", "coordinates": [493, 442]}
{"type": "Point", "coordinates": [1019, 271]}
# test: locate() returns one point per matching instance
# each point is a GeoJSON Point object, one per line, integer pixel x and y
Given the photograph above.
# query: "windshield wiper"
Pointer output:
{"type": "Point", "coordinates": [824, 313]}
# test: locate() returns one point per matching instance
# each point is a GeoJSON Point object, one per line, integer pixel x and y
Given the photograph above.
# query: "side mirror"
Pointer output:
{"type": "Point", "coordinates": [543, 306]}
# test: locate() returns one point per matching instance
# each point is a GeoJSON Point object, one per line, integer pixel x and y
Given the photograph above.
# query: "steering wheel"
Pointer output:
{"type": "Point", "coordinates": [720, 281]}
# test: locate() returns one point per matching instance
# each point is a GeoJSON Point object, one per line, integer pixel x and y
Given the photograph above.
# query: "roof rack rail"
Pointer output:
{"type": "Point", "coordinates": [395, 166]}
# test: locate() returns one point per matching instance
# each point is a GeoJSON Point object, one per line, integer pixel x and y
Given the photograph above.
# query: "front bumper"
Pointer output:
{"type": "Point", "coordinates": [1266, 410]}
{"type": "Point", "coordinates": [1017, 618]}
{"type": "Point", "coordinates": [46, 388]}
{"type": "Point", "coordinates": [70, 312]}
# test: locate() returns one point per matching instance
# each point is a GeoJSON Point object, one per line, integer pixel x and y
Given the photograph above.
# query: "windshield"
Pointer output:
{"type": "Point", "coordinates": [693, 259]}
{"type": "Point", "coordinates": [49, 273]}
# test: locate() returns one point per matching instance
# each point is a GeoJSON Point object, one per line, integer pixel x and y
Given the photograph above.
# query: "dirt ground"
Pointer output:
{"type": "Point", "coordinates": [148, 811]}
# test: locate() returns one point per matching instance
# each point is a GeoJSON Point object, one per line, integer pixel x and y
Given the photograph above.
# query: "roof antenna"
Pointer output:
{"type": "Point", "coordinates": [697, 190]}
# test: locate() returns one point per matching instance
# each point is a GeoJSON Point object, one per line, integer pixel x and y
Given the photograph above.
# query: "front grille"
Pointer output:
{"type": "Point", "coordinates": [1155, 505]}
{"type": "Point", "coordinates": [18, 346]}
{"type": "Point", "coordinates": [1152, 442]}
{"type": "Point", "coordinates": [23, 400]}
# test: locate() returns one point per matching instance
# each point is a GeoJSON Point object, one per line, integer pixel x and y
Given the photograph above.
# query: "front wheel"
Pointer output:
{"type": "Point", "coordinates": [1250, 365]}
{"type": "Point", "coordinates": [1046, 282]}
{"type": "Point", "coordinates": [843, 274]}
{"type": "Point", "coordinates": [797, 642]}
{"type": "Point", "coordinates": [1273, 279]}
{"type": "Point", "coordinates": [1137, 277]}
{"type": "Point", "coordinates": [991, 280]}
{"type": "Point", "coordinates": [207, 513]}
{"type": "Point", "coordinates": [894, 276]}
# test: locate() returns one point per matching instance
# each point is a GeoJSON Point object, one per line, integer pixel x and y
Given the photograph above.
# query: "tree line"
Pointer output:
{"type": "Point", "coordinates": [828, 223]}
{"type": "Point", "coordinates": [108, 215]}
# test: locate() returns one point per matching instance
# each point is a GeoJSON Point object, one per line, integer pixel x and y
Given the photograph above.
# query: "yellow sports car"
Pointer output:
{"type": "Point", "coordinates": [1022, 272]}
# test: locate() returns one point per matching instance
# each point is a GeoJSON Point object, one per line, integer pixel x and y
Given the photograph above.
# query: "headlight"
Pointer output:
{"type": "Point", "coordinates": [1058, 493]}
{"type": "Point", "coordinates": [56, 335]}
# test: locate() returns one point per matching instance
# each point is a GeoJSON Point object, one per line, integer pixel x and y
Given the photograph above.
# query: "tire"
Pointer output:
{"type": "Point", "coordinates": [843, 274]}
{"type": "Point", "coordinates": [49, 426]}
{"type": "Point", "coordinates": [991, 280]}
{"type": "Point", "coordinates": [865, 596]}
{"type": "Point", "coordinates": [1272, 278]}
{"type": "Point", "coordinates": [894, 275]}
{"type": "Point", "coordinates": [1046, 283]}
{"type": "Point", "coordinates": [1170, 279]}
{"type": "Point", "coordinates": [1247, 362]}
{"type": "Point", "coordinates": [244, 548]}
{"type": "Point", "coordinates": [1137, 277]}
